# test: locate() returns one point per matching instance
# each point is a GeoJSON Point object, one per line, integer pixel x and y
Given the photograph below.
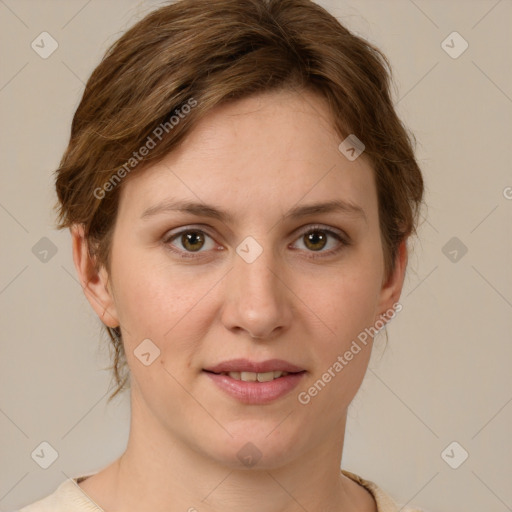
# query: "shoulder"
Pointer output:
{"type": "Point", "coordinates": [68, 497]}
{"type": "Point", "coordinates": [384, 502]}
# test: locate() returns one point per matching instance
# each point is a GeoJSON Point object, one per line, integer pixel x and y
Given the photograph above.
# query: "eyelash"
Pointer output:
{"type": "Point", "coordinates": [340, 237]}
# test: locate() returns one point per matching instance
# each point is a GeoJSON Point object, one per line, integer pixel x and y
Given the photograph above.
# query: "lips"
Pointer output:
{"type": "Point", "coordinates": [255, 383]}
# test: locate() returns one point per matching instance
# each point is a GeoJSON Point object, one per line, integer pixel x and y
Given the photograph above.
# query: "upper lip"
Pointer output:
{"type": "Point", "coordinates": [245, 365]}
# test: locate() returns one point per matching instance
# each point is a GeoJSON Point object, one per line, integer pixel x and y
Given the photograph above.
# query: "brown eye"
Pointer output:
{"type": "Point", "coordinates": [315, 240]}
{"type": "Point", "coordinates": [322, 242]}
{"type": "Point", "coordinates": [192, 240]}
{"type": "Point", "coordinates": [190, 243]}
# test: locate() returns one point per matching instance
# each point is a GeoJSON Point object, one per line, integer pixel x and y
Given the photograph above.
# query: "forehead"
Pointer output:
{"type": "Point", "coordinates": [259, 155]}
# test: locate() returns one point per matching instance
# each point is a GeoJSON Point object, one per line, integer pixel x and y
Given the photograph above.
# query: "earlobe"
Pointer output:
{"type": "Point", "coordinates": [392, 288]}
{"type": "Point", "coordinates": [94, 281]}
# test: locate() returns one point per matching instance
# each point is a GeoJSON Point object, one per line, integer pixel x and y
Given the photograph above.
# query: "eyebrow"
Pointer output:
{"type": "Point", "coordinates": [205, 210]}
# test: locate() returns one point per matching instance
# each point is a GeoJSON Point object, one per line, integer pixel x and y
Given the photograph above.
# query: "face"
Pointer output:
{"type": "Point", "coordinates": [251, 272]}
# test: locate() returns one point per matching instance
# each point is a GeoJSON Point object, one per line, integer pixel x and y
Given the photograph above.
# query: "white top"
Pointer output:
{"type": "Point", "coordinates": [69, 497]}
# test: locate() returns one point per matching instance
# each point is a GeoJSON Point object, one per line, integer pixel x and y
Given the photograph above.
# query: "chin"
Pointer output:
{"type": "Point", "coordinates": [254, 445]}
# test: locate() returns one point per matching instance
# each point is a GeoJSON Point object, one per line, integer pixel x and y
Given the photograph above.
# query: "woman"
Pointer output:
{"type": "Point", "coordinates": [240, 193]}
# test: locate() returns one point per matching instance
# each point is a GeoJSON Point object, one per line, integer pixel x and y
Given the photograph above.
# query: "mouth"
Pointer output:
{"type": "Point", "coordinates": [255, 383]}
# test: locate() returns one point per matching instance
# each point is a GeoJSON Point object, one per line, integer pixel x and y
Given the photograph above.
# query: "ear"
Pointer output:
{"type": "Point", "coordinates": [94, 281]}
{"type": "Point", "coordinates": [392, 287]}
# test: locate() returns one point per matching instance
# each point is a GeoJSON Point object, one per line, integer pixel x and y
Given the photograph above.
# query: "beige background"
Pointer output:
{"type": "Point", "coordinates": [445, 375]}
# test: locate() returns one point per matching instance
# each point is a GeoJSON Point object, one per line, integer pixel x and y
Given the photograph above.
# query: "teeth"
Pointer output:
{"type": "Point", "coordinates": [265, 377]}
{"type": "Point", "coordinates": [255, 377]}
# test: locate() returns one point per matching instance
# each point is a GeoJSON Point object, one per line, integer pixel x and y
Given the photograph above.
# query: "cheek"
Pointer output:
{"type": "Point", "coordinates": [168, 306]}
{"type": "Point", "coordinates": [345, 302]}
{"type": "Point", "coordinates": [144, 295]}
{"type": "Point", "coordinates": [145, 303]}
{"type": "Point", "coordinates": [342, 348]}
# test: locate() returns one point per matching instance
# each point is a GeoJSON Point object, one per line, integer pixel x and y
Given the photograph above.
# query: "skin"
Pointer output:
{"type": "Point", "coordinates": [256, 158]}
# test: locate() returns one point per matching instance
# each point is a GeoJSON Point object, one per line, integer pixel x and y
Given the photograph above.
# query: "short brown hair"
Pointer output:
{"type": "Point", "coordinates": [216, 52]}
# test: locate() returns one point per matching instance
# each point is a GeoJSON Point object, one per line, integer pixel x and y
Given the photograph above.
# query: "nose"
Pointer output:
{"type": "Point", "coordinates": [256, 298]}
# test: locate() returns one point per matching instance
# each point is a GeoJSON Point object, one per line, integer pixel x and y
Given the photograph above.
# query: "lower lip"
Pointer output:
{"type": "Point", "coordinates": [256, 393]}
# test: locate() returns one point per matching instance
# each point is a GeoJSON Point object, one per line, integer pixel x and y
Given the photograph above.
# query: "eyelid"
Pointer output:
{"type": "Point", "coordinates": [203, 228]}
{"type": "Point", "coordinates": [322, 227]}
